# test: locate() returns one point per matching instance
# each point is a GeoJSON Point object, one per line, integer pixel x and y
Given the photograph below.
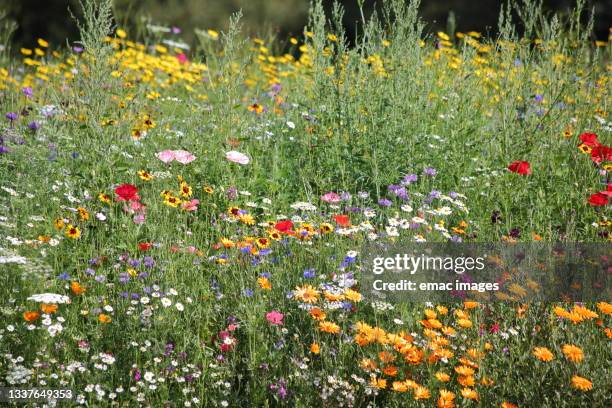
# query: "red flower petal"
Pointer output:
{"type": "Point", "coordinates": [598, 200]}
{"type": "Point", "coordinates": [520, 167]}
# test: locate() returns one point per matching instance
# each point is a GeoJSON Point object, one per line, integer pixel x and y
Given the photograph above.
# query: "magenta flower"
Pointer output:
{"type": "Point", "coordinates": [331, 198]}
{"type": "Point", "coordinates": [275, 318]}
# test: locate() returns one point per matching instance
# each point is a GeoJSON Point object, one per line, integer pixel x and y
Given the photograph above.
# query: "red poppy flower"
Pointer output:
{"type": "Point", "coordinates": [127, 192]}
{"type": "Point", "coordinates": [283, 226]}
{"type": "Point", "coordinates": [589, 139]}
{"type": "Point", "coordinates": [342, 220]}
{"type": "Point", "coordinates": [520, 167]}
{"type": "Point", "coordinates": [144, 246]}
{"type": "Point", "coordinates": [608, 191]}
{"type": "Point", "coordinates": [598, 200]}
{"type": "Point", "coordinates": [601, 154]}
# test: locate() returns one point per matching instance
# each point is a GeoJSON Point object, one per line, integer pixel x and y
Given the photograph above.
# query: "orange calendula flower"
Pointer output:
{"type": "Point", "coordinates": [264, 283]}
{"type": "Point", "coordinates": [367, 364]}
{"type": "Point", "coordinates": [470, 393]}
{"type": "Point", "coordinates": [605, 307]}
{"type": "Point", "coordinates": [317, 314]}
{"type": "Point", "coordinates": [329, 327]}
{"type": "Point", "coordinates": [386, 357]}
{"type": "Point", "coordinates": [306, 293]}
{"type": "Point", "coordinates": [76, 288]}
{"type": "Point", "coordinates": [442, 376]}
{"type": "Point", "coordinates": [421, 392]}
{"type": "Point", "coordinates": [352, 295]}
{"type": "Point", "coordinates": [508, 405]}
{"type": "Point", "coordinates": [573, 353]}
{"type": "Point", "coordinates": [399, 386]}
{"type": "Point", "coordinates": [543, 354]}
{"type": "Point", "coordinates": [48, 309]}
{"type": "Point", "coordinates": [465, 323]}
{"type": "Point", "coordinates": [581, 383]}
{"type": "Point", "coordinates": [104, 318]}
{"type": "Point", "coordinates": [315, 348]}
{"type": "Point", "coordinates": [446, 399]}
{"type": "Point", "coordinates": [584, 312]}
{"type": "Point", "coordinates": [378, 383]}
{"type": "Point", "coordinates": [30, 316]}
{"type": "Point", "coordinates": [391, 371]}
{"type": "Point", "coordinates": [466, 381]}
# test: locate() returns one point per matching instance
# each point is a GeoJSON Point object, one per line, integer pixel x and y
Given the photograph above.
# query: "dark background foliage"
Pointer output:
{"type": "Point", "coordinates": [51, 20]}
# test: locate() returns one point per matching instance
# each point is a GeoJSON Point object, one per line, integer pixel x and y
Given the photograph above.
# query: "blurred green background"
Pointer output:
{"type": "Point", "coordinates": [51, 20]}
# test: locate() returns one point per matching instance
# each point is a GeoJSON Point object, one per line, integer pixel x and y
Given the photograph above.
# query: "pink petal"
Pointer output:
{"type": "Point", "coordinates": [166, 156]}
{"type": "Point", "coordinates": [183, 156]}
{"type": "Point", "coordinates": [237, 157]}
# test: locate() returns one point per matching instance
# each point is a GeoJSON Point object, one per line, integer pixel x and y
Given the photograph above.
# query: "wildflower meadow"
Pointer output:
{"type": "Point", "coordinates": [186, 225]}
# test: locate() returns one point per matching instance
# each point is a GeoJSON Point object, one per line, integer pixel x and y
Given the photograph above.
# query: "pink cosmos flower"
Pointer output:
{"type": "Point", "coordinates": [139, 219]}
{"type": "Point", "coordinates": [275, 318]}
{"type": "Point", "coordinates": [166, 156]}
{"type": "Point", "coordinates": [237, 157]}
{"type": "Point", "coordinates": [331, 198]}
{"type": "Point", "coordinates": [190, 205]}
{"type": "Point", "coordinates": [181, 156]}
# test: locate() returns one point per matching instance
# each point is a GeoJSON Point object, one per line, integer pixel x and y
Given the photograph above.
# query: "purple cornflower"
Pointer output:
{"type": "Point", "coordinates": [435, 194]}
{"type": "Point", "coordinates": [148, 262]}
{"type": "Point", "coordinates": [11, 116]}
{"type": "Point", "coordinates": [27, 91]}
{"type": "Point", "coordinates": [176, 30]}
{"type": "Point", "coordinates": [276, 87]}
{"type": "Point", "coordinates": [409, 178]}
{"type": "Point", "coordinates": [309, 273]}
{"type": "Point", "coordinates": [384, 202]}
{"type": "Point", "coordinates": [33, 125]}
{"type": "Point", "coordinates": [430, 171]}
